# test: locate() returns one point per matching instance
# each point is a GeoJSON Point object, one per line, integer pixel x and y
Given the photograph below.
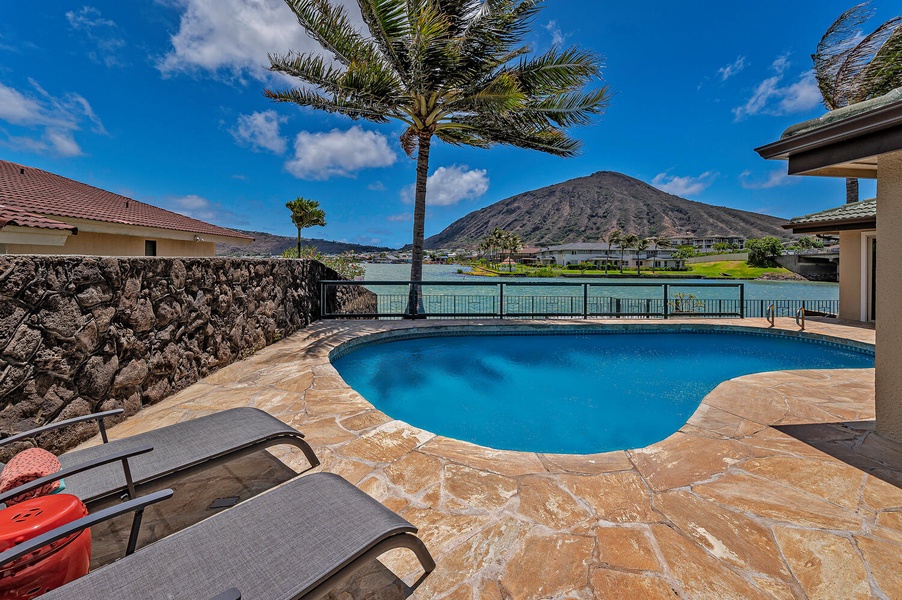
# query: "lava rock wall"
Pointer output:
{"type": "Point", "coordinates": [85, 334]}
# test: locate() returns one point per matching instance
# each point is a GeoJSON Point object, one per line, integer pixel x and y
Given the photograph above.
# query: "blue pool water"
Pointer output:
{"type": "Point", "coordinates": [573, 394]}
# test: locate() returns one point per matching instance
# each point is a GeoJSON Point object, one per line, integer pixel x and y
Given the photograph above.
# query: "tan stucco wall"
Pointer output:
{"type": "Point", "coordinates": [107, 244]}
{"type": "Point", "coordinates": [850, 281]}
{"type": "Point", "coordinates": [889, 296]}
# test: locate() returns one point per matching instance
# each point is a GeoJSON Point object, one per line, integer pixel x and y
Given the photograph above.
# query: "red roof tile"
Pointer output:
{"type": "Point", "coordinates": [21, 218]}
{"type": "Point", "coordinates": [37, 191]}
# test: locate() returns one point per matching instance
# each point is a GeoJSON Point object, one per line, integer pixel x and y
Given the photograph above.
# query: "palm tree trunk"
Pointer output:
{"type": "Point", "coordinates": [299, 242]}
{"type": "Point", "coordinates": [851, 191]}
{"type": "Point", "coordinates": [419, 224]}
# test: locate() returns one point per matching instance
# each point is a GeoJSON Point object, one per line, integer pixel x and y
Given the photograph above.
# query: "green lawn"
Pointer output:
{"type": "Point", "coordinates": [733, 268]}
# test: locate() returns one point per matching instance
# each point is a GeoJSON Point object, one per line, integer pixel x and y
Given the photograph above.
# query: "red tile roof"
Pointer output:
{"type": "Point", "coordinates": [21, 218]}
{"type": "Point", "coordinates": [37, 191]}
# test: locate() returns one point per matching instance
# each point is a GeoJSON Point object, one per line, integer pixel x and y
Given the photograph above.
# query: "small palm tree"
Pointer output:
{"type": "Point", "coordinates": [851, 68]}
{"type": "Point", "coordinates": [641, 245]}
{"type": "Point", "coordinates": [615, 238]}
{"type": "Point", "coordinates": [305, 213]}
{"type": "Point", "coordinates": [457, 70]}
{"type": "Point", "coordinates": [627, 241]}
{"type": "Point", "coordinates": [514, 243]}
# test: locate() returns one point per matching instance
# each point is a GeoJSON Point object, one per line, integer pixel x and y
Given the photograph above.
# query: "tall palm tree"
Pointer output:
{"type": "Point", "coordinates": [851, 67]}
{"type": "Point", "coordinates": [305, 213]}
{"type": "Point", "coordinates": [483, 248]}
{"type": "Point", "coordinates": [457, 70]}
{"type": "Point", "coordinates": [496, 242]}
{"type": "Point", "coordinates": [627, 241]}
{"type": "Point", "coordinates": [514, 242]}
{"type": "Point", "coordinates": [641, 245]}
{"type": "Point", "coordinates": [615, 238]}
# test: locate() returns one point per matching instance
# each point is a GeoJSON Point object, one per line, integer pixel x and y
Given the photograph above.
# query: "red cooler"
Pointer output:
{"type": "Point", "coordinates": [53, 565]}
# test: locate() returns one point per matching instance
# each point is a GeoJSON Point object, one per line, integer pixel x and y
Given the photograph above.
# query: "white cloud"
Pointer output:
{"type": "Point", "coordinates": [775, 178]}
{"type": "Point", "coordinates": [55, 118]}
{"type": "Point", "coordinates": [772, 97]}
{"type": "Point", "coordinates": [558, 38]}
{"type": "Point", "coordinates": [731, 69]}
{"type": "Point", "coordinates": [402, 218]}
{"type": "Point", "coordinates": [235, 36]}
{"type": "Point", "coordinates": [449, 185]}
{"type": "Point", "coordinates": [376, 186]}
{"type": "Point", "coordinates": [200, 208]}
{"type": "Point", "coordinates": [338, 153]}
{"type": "Point", "coordinates": [103, 33]}
{"type": "Point", "coordinates": [684, 186]}
{"type": "Point", "coordinates": [260, 131]}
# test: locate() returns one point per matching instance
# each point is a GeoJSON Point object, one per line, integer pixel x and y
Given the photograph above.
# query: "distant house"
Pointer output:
{"type": "Point", "coordinates": [598, 254]}
{"type": "Point", "coordinates": [706, 244]}
{"type": "Point", "coordinates": [44, 213]}
{"type": "Point", "coordinates": [528, 255]}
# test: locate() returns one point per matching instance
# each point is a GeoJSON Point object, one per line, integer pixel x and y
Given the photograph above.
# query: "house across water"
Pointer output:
{"type": "Point", "coordinates": [599, 253]}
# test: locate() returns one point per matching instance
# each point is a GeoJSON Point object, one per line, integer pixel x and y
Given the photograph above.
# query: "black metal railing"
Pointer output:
{"type": "Point", "coordinates": [513, 300]}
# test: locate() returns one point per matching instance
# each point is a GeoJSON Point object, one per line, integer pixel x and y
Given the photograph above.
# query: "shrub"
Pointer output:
{"type": "Point", "coordinates": [763, 252]}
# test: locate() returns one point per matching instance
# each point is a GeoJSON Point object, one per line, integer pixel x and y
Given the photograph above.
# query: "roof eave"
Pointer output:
{"type": "Point", "coordinates": [835, 149]}
{"type": "Point", "coordinates": [834, 226]}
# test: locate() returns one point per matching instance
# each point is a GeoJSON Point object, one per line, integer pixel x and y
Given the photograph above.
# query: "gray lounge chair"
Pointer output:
{"type": "Point", "coordinates": [298, 540]}
{"type": "Point", "coordinates": [197, 443]}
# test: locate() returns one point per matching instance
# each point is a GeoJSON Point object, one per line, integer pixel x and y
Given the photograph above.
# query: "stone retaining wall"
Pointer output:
{"type": "Point", "coordinates": [82, 334]}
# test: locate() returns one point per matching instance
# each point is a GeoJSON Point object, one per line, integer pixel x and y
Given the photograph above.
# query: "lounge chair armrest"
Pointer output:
{"type": "Point", "coordinates": [229, 594]}
{"type": "Point", "coordinates": [136, 505]}
{"type": "Point", "coordinates": [122, 455]}
{"type": "Point", "coordinates": [99, 417]}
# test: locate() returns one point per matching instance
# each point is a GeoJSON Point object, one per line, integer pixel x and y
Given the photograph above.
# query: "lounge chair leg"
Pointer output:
{"type": "Point", "coordinates": [416, 545]}
{"type": "Point", "coordinates": [401, 540]}
{"type": "Point", "coordinates": [307, 450]}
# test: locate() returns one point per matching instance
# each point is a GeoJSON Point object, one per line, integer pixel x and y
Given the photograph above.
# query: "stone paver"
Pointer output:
{"type": "Point", "coordinates": [777, 487]}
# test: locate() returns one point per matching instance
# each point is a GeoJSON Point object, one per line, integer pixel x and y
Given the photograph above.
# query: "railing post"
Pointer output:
{"type": "Point", "coordinates": [666, 298]}
{"type": "Point", "coordinates": [741, 300]}
{"type": "Point", "coordinates": [500, 300]}
{"type": "Point", "coordinates": [322, 300]}
{"type": "Point", "coordinates": [585, 301]}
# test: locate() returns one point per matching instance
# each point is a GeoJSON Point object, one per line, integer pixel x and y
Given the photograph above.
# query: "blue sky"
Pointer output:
{"type": "Point", "coordinates": [161, 100]}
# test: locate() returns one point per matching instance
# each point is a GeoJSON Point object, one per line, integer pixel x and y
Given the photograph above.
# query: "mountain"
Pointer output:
{"type": "Point", "coordinates": [587, 208]}
{"type": "Point", "coordinates": [267, 244]}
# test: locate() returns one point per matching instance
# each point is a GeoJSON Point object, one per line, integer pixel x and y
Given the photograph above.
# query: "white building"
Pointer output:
{"type": "Point", "coordinates": [598, 254]}
{"type": "Point", "coordinates": [706, 244]}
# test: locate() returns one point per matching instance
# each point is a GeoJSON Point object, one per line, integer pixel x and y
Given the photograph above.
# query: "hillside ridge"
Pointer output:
{"type": "Point", "coordinates": [587, 208]}
{"type": "Point", "coordinates": [268, 244]}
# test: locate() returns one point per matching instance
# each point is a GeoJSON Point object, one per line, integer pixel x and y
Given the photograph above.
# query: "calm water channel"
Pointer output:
{"type": "Point", "coordinates": [754, 290]}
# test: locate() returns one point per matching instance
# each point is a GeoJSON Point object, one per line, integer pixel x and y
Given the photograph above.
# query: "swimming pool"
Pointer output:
{"type": "Point", "coordinates": [569, 393]}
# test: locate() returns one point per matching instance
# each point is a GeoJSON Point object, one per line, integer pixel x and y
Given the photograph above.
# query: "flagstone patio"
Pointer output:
{"type": "Point", "coordinates": [777, 487]}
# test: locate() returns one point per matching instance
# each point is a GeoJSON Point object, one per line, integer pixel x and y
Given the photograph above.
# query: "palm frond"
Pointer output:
{"type": "Point", "coordinates": [883, 73]}
{"type": "Point", "coordinates": [356, 110]}
{"type": "Point", "coordinates": [389, 24]}
{"type": "Point", "coordinates": [330, 26]}
{"type": "Point", "coordinates": [557, 70]}
{"type": "Point", "coordinates": [855, 62]}
{"type": "Point", "coordinates": [359, 83]}
{"type": "Point", "coordinates": [839, 39]}
{"type": "Point", "coordinates": [573, 108]}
